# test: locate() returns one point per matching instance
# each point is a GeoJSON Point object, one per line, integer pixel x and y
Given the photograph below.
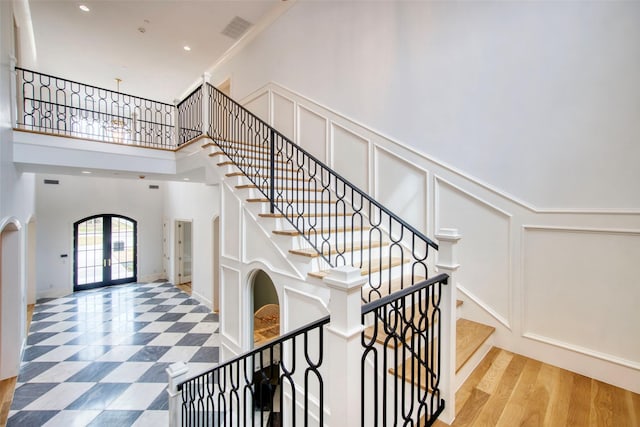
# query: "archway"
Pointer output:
{"type": "Point", "coordinates": [12, 300]}
{"type": "Point", "coordinates": [266, 308]}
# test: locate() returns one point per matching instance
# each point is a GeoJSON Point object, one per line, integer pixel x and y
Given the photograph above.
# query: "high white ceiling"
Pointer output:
{"type": "Point", "coordinates": [97, 46]}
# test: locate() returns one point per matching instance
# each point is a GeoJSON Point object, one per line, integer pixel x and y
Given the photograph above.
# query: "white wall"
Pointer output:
{"type": "Point", "coordinates": [536, 99]}
{"type": "Point", "coordinates": [16, 208]}
{"type": "Point", "coordinates": [198, 203]}
{"type": "Point", "coordinates": [77, 197]}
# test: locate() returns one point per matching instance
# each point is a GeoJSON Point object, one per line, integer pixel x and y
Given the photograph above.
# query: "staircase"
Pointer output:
{"type": "Point", "coordinates": [373, 254]}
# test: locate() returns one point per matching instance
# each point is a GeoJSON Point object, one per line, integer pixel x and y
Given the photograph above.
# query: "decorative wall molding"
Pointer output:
{"type": "Point", "coordinates": [283, 90]}
{"type": "Point", "coordinates": [586, 351]}
{"type": "Point", "coordinates": [226, 276]}
{"type": "Point", "coordinates": [485, 307]}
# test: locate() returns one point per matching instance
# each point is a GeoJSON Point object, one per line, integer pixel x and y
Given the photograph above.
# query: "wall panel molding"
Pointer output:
{"type": "Point", "coordinates": [577, 290]}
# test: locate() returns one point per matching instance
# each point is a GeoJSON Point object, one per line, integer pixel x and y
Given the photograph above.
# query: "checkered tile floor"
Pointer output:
{"type": "Point", "coordinates": [98, 357]}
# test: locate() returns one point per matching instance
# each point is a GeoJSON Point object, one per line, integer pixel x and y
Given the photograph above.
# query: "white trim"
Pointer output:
{"type": "Point", "coordinates": [582, 350]}
{"type": "Point", "coordinates": [469, 177]}
{"type": "Point", "coordinates": [483, 306]}
{"type": "Point", "coordinates": [594, 230]}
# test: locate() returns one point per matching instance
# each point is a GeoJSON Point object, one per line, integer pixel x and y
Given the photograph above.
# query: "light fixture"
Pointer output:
{"type": "Point", "coordinates": [187, 48]}
{"type": "Point", "coordinates": [186, 179]}
{"type": "Point", "coordinates": [118, 126]}
{"type": "Point", "coordinates": [86, 172]}
{"type": "Point", "coordinates": [84, 8]}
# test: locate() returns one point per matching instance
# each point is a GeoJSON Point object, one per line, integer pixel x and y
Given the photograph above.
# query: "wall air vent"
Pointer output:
{"type": "Point", "coordinates": [154, 187]}
{"type": "Point", "coordinates": [236, 28]}
{"type": "Point", "coordinates": [51, 181]}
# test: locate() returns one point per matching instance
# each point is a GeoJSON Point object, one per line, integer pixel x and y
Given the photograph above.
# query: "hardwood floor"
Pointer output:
{"type": "Point", "coordinates": [185, 287]}
{"type": "Point", "coordinates": [509, 390]}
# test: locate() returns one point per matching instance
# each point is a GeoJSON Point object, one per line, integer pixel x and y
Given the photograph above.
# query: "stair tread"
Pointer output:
{"type": "Point", "coordinates": [337, 230]}
{"type": "Point", "coordinates": [240, 173]}
{"type": "Point", "coordinates": [470, 336]}
{"type": "Point", "coordinates": [376, 266]}
{"type": "Point", "coordinates": [265, 200]}
{"type": "Point", "coordinates": [265, 161]}
{"type": "Point", "coordinates": [305, 215]}
{"type": "Point", "coordinates": [313, 252]}
{"type": "Point", "coordinates": [302, 190]}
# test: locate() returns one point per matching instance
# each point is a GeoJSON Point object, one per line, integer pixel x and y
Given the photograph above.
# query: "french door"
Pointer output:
{"type": "Point", "coordinates": [104, 251]}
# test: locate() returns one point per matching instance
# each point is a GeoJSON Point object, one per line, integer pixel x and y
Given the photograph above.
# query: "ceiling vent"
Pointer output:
{"type": "Point", "coordinates": [51, 181]}
{"type": "Point", "coordinates": [154, 187]}
{"type": "Point", "coordinates": [236, 28]}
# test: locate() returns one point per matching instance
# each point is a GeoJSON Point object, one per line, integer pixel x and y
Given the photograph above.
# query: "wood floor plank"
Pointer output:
{"type": "Point", "coordinates": [515, 411]}
{"type": "Point", "coordinates": [560, 398]}
{"type": "Point", "coordinates": [579, 406]}
{"type": "Point", "coordinates": [476, 376]}
{"type": "Point", "coordinates": [492, 378]}
{"type": "Point", "coordinates": [491, 413]}
{"type": "Point", "coordinates": [601, 404]}
{"type": "Point", "coordinates": [470, 410]}
{"type": "Point", "coordinates": [633, 400]}
{"type": "Point", "coordinates": [538, 401]}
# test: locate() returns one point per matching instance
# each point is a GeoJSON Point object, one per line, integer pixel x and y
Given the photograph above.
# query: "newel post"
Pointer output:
{"type": "Point", "coordinates": [343, 346]}
{"type": "Point", "coordinates": [14, 91]}
{"type": "Point", "coordinates": [177, 374]}
{"type": "Point", "coordinates": [448, 264]}
{"type": "Point", "coordinates": [206, 77]}
{"type": "Point", "coordinates": [177, 127]}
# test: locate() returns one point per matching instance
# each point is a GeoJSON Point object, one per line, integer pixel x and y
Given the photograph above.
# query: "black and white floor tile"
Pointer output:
{"type": "Point", "coordinates": [98, 357]}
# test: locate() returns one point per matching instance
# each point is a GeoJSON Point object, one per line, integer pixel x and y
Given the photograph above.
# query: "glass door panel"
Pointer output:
{"type": "Point", "coordinates": [89, 252]}
{"type": "Point", "coordinates": [122, 248]}
{"type": "Point", "coordinates": [104, 251]}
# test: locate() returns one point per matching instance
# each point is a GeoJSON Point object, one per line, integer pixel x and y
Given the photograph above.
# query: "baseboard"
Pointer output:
{"type": "Point", "coordinates": [202, 300]}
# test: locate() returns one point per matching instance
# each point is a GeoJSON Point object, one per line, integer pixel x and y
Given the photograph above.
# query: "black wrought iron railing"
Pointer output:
{"type": "Point", "coordinates": [400, 363]}
{"type": "Point", "coordinates": [64, 107]}
{"type": "Point", "coordinates": [190, 116]}
{"type": "Point", "coordinates": [279, 383]}
{"type": "Point", "coordinates": [341, 222]}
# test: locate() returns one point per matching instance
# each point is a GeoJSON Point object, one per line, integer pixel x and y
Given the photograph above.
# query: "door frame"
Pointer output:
{"type": "Point", "coordinates": [106, 252]}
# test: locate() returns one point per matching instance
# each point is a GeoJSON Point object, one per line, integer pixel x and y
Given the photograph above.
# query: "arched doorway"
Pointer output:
{"type": "Point", "coordinates": [12, 299]}
{"type": "Point", "coordinates": [266, 308]}
{"type": "Point", "coordinates": [104, 251]}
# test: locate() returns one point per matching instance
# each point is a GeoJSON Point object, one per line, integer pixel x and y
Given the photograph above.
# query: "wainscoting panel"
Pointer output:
{"type": "Point", "coordinates": [231, 297]}
{"type": "Point", "coordinates": [284, 116]}
{"type": "Point", "coordinates": [350, 154]}
{"type": "Point", "coordinates": [230, 231]}
{"type": "Point", "coordinates": [259, 105]}
{"type": "Point", "coordinates": [579, 289]}
{"type": "Point", "coordinates": [312, 133]}
{"type": "Point", "coordinates": [402, 187]}
{"type": "Point", "coordinates": [484, 247]}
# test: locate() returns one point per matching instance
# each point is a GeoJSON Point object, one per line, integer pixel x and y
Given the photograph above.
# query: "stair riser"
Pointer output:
{"type": "Point", "coordinates": [307, 208]}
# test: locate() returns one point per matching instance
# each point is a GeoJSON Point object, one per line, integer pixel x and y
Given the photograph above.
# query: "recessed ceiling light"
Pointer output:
{"type": "Point", "coordinates": [84, 8]}
{"type": "Point", "coordinates": [186, 179]}
{"type": "Point", "coordinates": [86, 172]}
{"type": "Point", "coordinates": [187, 48]}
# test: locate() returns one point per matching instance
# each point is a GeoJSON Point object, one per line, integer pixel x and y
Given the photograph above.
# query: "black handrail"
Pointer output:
{"type": "Point", "coordinates": [306, 153]}
{"type": "Point", "coordinates": [190, 116]}
{"type": "Point", "coordinates": [251, 381]}
{"type": "Point", "coordinates": [61, 106]}
{"type": "Point", "coordinates": [403, 352]}
{"type": "Point", "coordinates": [340, 221]}
{"type": "Point", "coordinates": [91, 86]}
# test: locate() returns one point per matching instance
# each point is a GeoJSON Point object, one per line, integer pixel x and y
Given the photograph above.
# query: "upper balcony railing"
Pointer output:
{"type": "Point", "coordinates": [59, 106]}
